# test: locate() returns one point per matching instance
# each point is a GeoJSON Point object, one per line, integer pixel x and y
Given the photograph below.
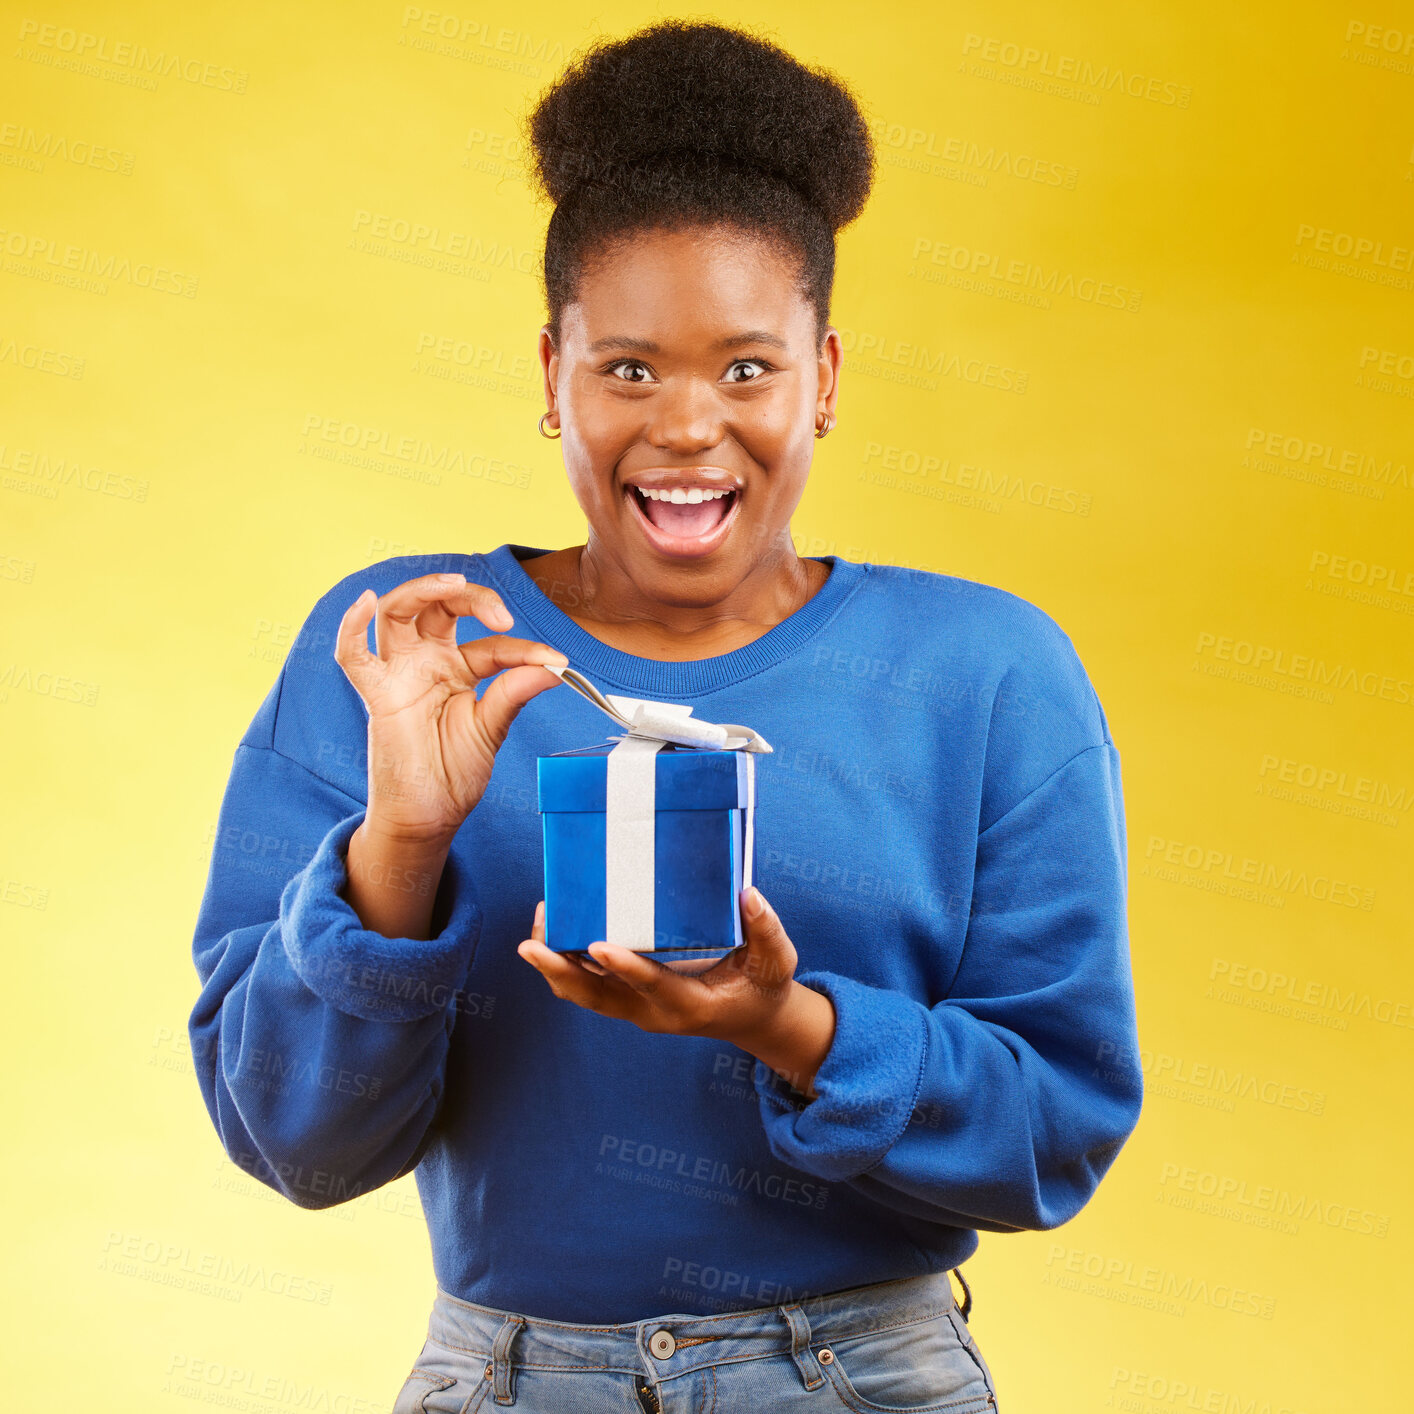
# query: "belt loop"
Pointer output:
{"type": "Point", "coordinates": [965, 1309]}
{"type": "Point", "coordinates": [501, 1358]}
{"type": "Point", "coordinates": [800, 1350]}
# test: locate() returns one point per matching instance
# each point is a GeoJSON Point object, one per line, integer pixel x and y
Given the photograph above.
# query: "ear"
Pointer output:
{"type": "Point", "coordinates": [830, 361]}
{"type": "Point", "coordinates": [550, 372]}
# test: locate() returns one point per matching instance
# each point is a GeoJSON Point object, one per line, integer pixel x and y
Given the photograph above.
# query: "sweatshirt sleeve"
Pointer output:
{"type": "Point", "coordinates": [1002, 1106]}
{"type": "Point", "coordinates": [319, 1046]}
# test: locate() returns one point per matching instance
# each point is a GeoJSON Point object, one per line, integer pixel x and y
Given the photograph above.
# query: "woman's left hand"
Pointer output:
{"type": "Point", "coordinates": [750, 998]}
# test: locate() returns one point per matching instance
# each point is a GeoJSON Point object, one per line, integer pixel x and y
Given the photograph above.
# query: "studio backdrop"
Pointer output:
{"type": "Point", "coordinates": [1129, 331]}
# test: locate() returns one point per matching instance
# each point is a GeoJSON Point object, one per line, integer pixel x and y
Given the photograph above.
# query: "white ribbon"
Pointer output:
{"type": "Point", "coordinates": [630, 798]}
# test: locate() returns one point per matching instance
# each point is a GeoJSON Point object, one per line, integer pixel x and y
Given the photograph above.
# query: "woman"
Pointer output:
{"type": "Point", "coordinates": [743, 1189]}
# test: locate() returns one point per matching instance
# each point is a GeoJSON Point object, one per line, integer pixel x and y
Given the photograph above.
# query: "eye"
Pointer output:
{"type": "Point", "coordinates": [631, 371]}
{"type": "Point", "coordinates": [747, 370]}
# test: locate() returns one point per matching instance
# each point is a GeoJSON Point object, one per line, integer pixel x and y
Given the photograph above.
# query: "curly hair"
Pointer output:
{"type": "Point", "coordinates": [693, 124]}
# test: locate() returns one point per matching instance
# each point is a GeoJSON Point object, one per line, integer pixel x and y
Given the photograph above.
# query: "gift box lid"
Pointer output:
{"type": "Point", "coordinates": [684, 779]}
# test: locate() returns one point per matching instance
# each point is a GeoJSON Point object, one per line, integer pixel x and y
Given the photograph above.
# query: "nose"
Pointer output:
{"type": "Point", "coordinates": [685, 418]}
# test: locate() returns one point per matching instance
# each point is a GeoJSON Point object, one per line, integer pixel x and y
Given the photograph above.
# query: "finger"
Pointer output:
{"type": "Point", "coordinates": [569, 981]}
{"type": "Point", "coordinates": [537, 928]}
{"type": "Point", "coordinates": [351, 642]}
{"type": "Point", "coordinates": [771, 956]}
{"type": "Point", "coordinates": [438, 619]}
{"type": "Point", "coordinates": [400, 607]}
{"type": "Point", "coordinates": [508, 693]}
{"type": "Point", "coordinates": [661, 985]}
{"type": "Point", "coordinates": [487, 656]}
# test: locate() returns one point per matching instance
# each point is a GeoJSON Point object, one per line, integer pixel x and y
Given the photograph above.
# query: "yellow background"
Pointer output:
{"type": "Point", "coordinates": [176, 494]}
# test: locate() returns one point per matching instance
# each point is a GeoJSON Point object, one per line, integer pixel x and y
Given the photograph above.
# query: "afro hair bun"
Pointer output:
{"type": "Point", "coordinates": [681, 94]}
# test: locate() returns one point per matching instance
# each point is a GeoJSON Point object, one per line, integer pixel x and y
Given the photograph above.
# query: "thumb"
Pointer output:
{"type": "Point", "coordinates": [506, 694]}
{"type": "Point", "coordinates": [772, 956]}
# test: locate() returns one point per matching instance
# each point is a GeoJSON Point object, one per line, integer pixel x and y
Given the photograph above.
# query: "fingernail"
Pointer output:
{"type": "Point", "coordinates": [754, 902]}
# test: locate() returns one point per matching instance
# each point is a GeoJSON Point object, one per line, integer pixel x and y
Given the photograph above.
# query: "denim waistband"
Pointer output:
{"type": "Point", "coordinates": [506, 1340]}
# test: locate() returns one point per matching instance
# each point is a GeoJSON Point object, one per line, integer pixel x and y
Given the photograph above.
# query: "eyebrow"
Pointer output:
{"type": "Point", "coordinates": [752, 336]}
{"type": "Point", "coordinates": [628, 344]}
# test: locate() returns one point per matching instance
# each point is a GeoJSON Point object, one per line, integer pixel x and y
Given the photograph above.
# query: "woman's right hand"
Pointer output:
{"type": "Point", "coordinates": [431, 742]}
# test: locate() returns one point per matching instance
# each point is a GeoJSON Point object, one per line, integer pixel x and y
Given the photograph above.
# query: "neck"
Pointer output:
{"type": "Point", "coordinates": [600, 595]}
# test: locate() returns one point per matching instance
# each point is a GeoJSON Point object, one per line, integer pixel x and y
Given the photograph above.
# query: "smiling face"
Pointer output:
{"type": "Point", "coordinates": [688, 383]}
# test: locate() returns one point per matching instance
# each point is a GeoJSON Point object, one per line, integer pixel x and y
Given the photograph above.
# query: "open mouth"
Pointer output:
{"type": "Point", "coordinates": [682, 521]}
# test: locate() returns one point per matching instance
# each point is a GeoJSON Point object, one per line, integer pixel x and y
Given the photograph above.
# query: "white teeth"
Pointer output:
{"type": "Point", "coordinates": [680, 496]}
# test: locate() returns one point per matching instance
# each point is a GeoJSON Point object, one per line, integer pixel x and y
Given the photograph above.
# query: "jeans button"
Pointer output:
{"type": "Point", "coordinates": [662, 1344]}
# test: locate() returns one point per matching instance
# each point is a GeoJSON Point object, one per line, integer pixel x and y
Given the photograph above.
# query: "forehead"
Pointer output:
{"type": "Point", "coordinates": [679, 288]}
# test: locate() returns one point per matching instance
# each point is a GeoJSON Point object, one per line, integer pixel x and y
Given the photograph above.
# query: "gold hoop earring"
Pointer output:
{"type": "Point", "coordinates": [827, 427]}
{"type": "Point", "coordinates": [543, 432]}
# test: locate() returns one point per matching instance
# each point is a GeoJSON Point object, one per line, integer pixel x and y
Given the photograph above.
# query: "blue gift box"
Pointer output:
{"type": "Point", "coordinates": [700, 855]}
{"type": "Point", "coordinates": [648, 837]}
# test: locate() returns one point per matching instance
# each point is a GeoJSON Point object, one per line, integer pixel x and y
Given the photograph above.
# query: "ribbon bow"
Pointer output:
{"type": "Point", "coordinates": [663, 721]}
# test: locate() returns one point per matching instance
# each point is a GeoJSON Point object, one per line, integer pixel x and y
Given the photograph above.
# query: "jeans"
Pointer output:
{"type": "Point", "coordinates": [890, 1346]}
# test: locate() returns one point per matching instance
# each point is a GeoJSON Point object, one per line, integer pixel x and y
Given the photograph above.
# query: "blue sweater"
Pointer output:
{"type": "Point", "coordinates": [941, 831]}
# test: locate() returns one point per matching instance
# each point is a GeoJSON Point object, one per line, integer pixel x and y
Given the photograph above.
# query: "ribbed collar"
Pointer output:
{"type": "Point", "coordinates": [603, 663]}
